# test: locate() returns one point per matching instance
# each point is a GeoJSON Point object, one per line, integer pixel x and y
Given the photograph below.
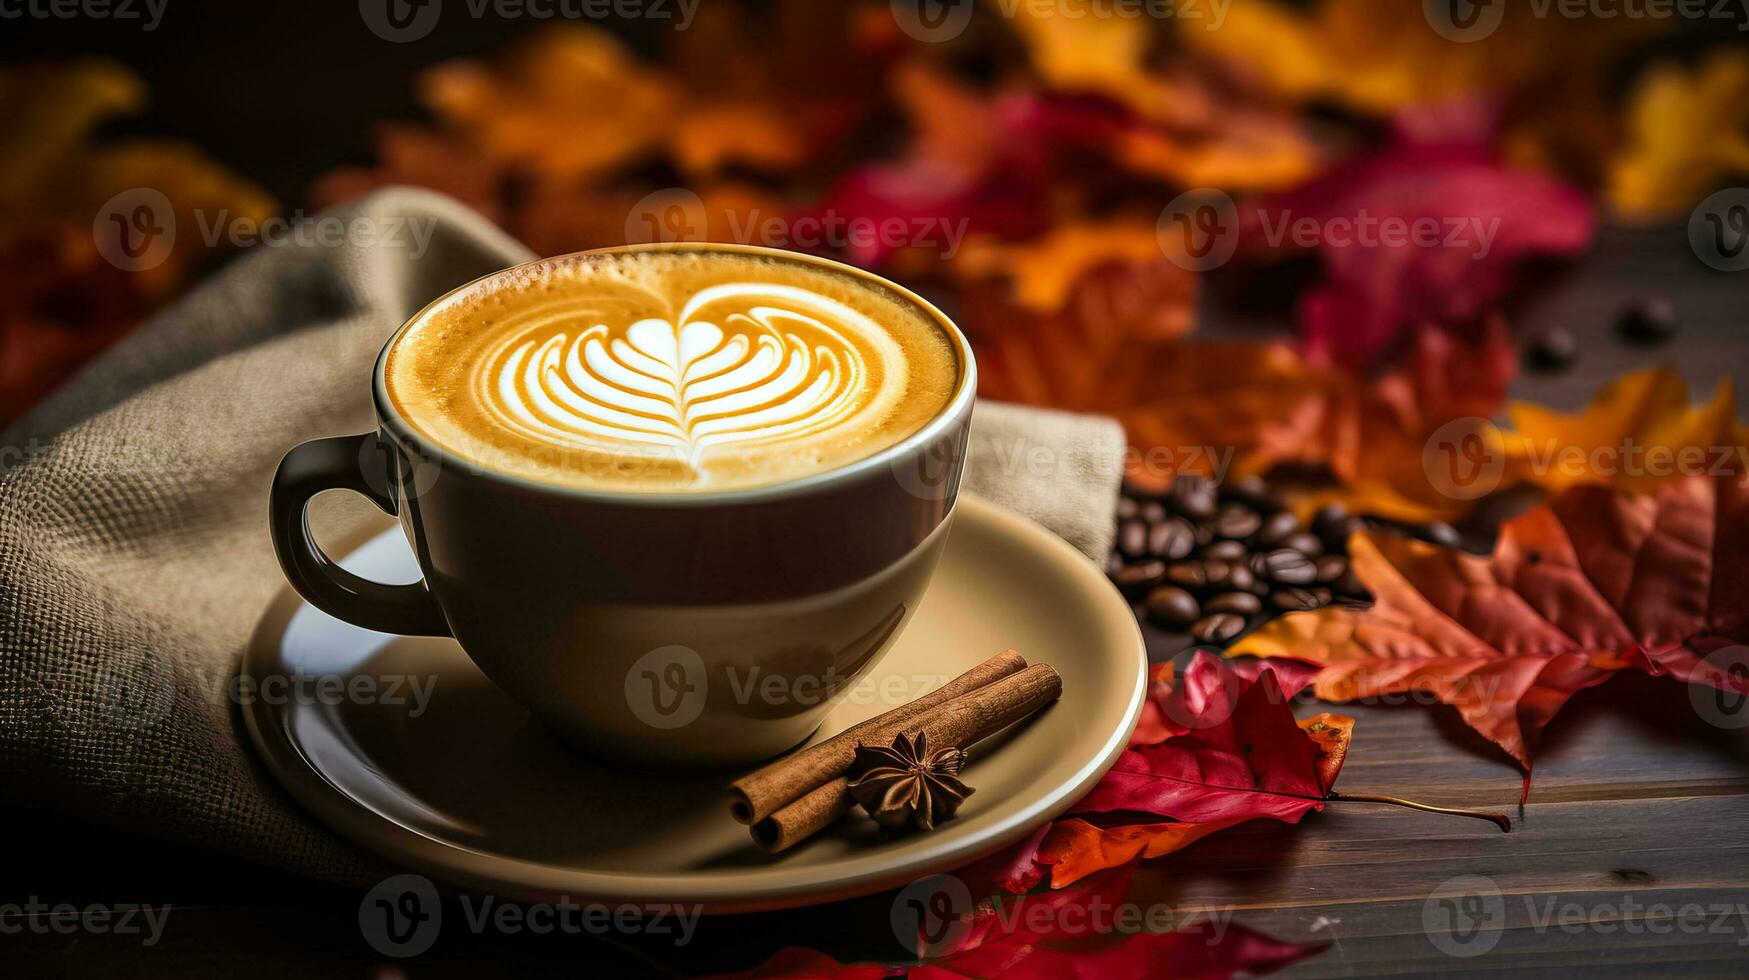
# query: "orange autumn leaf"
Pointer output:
{"type": "Point", "coordinates": [1688, 130]}
{"type": "Point", "coordinates": [1044, 271]}
{"type": "Point", "coordinates": [1592, 583]}
{"type": "Point", "coordinates": [708, 138]}
{"type": "Point", "coordinates": [1640, 431]}
{"type": "Point", "coordinates": [569, 102]}
{"type": "Point", "coordinates": [1075, 848]}
{"type": "Point", "coordinates": [1232, 409]}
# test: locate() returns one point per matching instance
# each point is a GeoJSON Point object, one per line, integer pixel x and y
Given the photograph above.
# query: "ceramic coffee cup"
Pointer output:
{"type": "Point", "coordinates": [696, 628]}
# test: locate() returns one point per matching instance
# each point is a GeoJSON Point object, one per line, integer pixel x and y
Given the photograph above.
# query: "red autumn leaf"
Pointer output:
{"type": "Point", "coordinates": [1244, 757]}
{"type": "Point", "coordinates": [1413, 234]}
{"type": "Point", "coordinates": [1175, 709]}
{"type": "Point", "coordinates": [1592, 583]}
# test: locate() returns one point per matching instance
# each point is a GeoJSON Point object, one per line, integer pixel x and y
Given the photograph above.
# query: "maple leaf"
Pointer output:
{"type": "Point", "coordinates": [1411, 235]}
{"type": "Point", "coordinates": [1688, 129]}
{"type": "Point", "coordinates": [1638, 432]}
{"type": "Point", "coordinates": [1592, 583]}
{"type": "Point", "coordinates": [1243, 757]}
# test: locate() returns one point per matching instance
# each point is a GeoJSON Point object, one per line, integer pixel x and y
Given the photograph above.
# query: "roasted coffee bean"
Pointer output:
{"type": "Point", "coordinates": [1294, 600]}
{"type": "Point", "coordinates": [1253, 492]}
{"type": "Point", "coordinates": [1139, 575]}
{"type": "Point", "coordinates": [1288, 567]}
{"type": "Point", "coordinates": [1225, 550]}
{"type": "Point", "coordinates": [1240, 578]}
{"type": "Point", "coordinates": [1322, 594]}
{"type": "Point", "coordinates": [1193, 496]}
{"type": "Point", "coordinates": [1238, 603]}
{"type": "Point", "coordinates": [1189, 574]}
{"type": "Point", "coordinates": [1440, 533]}
{"type": "Point", "coordinates": [1172, 607]}
{"type": "Point", "coordinates": [1554, 349]}
{"type": "Point", "coordinates": [1328, 518]}
{"type": "Point", "coordinates": [1306, 543]}
{"type": "Point", "coordinates": [1215, 572]}
{"type": "Point", "coordinates": [1236, 522]}
{"type": "Point", "coordinates": [1349, 586]}
{"type": "Point", "coordinates": [1336, 537]}
{"type": "Point", "coordinates": [1153, 512]}
{"type": "Point", "coordinates": [1218, 628]}
{"type": "Point", "coordinates": [1132, 539]}
{"type": "Point", "coordinates": [1171, 539]}
{"type": "Point", "coordinates": [1204, 534]}
{"type": "Point", "coordinates": [1127, 508]}
{"type": "Point", "coordinates": [1647, 320]}
{"type": "Point", "coordinates": [1330, 568]}
{"type": "Point", "coordinates": [1277, 527]}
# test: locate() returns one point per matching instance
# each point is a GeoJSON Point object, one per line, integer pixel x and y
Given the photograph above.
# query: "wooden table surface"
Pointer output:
{"type": "Point", "coordinates": [1639, 808]}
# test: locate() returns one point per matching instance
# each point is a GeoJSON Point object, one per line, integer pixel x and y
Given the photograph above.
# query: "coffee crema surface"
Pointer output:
{"type": "Point", "coordinates": [671, 371]}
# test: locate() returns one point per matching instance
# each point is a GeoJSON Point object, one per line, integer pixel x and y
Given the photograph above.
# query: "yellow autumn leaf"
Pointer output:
{"type": "Point", "coordinates": [1640, 431]}
{"type": "Point", "coordinates": [1688, 129]}
{"type": "Point", "coordinates": [1378, 56]}
{"type": "Point", "coordinates": [1077, 45]}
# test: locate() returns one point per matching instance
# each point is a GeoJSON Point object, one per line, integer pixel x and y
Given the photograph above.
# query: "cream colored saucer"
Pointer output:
{"type": "Point", "coordinates": [472, 791]}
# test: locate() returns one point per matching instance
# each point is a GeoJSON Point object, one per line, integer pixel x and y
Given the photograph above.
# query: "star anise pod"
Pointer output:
{"type": "Point", "coordinates": [905, 784]}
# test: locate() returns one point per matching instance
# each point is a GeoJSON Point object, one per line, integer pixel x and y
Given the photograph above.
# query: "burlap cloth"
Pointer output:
{"type": "Point", "coordinates": [134, 550]}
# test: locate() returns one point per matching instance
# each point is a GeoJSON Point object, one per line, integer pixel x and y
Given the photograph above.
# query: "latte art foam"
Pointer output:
{"type": "Point", "coordinates": [671, 370]}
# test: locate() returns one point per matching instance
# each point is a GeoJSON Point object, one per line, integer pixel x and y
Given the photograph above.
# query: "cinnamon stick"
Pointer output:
{"type": "Point", "coordinates": [961, 722]}
{"type": "Point", "coordinates": [760, 794]}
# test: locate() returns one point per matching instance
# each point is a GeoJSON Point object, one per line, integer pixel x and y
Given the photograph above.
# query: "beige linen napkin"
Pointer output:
{"type": "Point", "coordinates": [134, 549]}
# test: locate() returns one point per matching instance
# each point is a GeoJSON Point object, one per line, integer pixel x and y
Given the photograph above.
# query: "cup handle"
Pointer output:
{"type": "Point", "coordinates": [338, 464]}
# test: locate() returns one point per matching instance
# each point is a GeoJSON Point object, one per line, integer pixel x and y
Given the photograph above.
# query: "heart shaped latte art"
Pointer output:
{"type": "Point", "coordinates": [739, 363]}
